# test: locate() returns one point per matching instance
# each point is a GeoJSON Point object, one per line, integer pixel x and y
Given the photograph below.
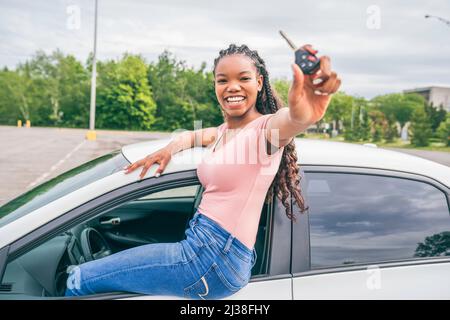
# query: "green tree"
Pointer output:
{"type": "Point", "coordinates": [209, 110]}
{"type": "Point", "coordinates": [45, 70]}
{"type": "Point", "coordinates": [196, 89]}
{"type": "Point", "coordinates": [56, 86]}
{"type": "Point", "coordinates": [390, 131]}
{"type": "Point", "coordinates": [377, 119]}
{"type": "Point", "coordinates": [14, 102]}
{"type": "Point", "coordinates": [281, 86]}
{"type": "Point", "coordinates": [436, 115]}
{"type": "Point", "coordinates": [377, 132]}
{"type": "Point", "coordinates": [182, 94]}
{"type": "Point", "coordinates": [365, 125]}
{"type": "Point", "coordinates": [349, 133]}
{"type": "Point", "coordinates": [74, 92]}
{"type": "Point", "coordinates": [420, 128]}
{"type": "Point", "coordinates": [162, 77]}
{"type": "Point", "coordinates": [124, 96]}
{"type": "Point", "coordinates": [444, 130]}
{"type": "Point", "coordinates": [434, 246]}
{"type": "Point", "coordinates": [389, 128]}
{"type": "Point", "coordinates": [398, 106]}
{"type": "Point", "coordinates": [340, 109]}
{"type": "Point", "coordinates": [357, 123]}
{"type": "Point", "coordinates": [20, 95]}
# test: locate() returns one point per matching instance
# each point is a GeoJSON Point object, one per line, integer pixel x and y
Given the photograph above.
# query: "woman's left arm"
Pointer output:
{"type": "Point", "coordinates": [309, 97]}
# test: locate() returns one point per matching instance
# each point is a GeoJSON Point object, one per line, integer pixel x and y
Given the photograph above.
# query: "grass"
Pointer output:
{"type": "Point", "coordinates": [398, 143]}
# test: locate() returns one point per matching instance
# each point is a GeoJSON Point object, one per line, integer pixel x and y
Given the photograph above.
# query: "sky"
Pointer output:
{"type": "Point", "coordinates": [376, 47]}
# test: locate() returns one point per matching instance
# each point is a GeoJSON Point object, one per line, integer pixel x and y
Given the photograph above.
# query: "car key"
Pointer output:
{"type": "Point", "coordinates": [307, 61]}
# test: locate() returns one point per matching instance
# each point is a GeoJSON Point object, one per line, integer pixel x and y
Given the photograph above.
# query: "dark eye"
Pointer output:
{"type": "Point", "coordinates": [246, 78]}
{"type": "Point", "coordinates": [221, 81]}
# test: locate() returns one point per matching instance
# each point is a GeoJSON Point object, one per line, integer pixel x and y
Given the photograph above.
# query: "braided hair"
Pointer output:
{"type": "Point", "coordinates": [287, 179]}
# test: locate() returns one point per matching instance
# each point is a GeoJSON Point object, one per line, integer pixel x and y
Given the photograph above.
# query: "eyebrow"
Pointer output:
{"type": "Point", "coordinates": [221, 74]}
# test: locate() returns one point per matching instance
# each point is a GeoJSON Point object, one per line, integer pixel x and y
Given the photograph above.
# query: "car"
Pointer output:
{"type": "Point", "coordinates": [377, 225]}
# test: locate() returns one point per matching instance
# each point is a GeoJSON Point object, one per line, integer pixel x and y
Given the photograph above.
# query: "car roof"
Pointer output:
{"type": "Point", "coordinates": [312, 152]}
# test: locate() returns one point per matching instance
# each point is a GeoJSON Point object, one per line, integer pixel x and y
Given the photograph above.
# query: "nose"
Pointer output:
{"type": "Point", "coordinates": [233, 86]}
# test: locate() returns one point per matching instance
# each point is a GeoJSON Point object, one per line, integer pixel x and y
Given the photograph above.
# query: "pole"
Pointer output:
{"type": "Point", "coordinates": [91, 135]}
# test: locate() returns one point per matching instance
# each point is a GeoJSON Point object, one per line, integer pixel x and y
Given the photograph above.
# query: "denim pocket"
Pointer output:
{"type": "Point", "coordinates": [243, 255]}
{"type": "Point", "coordinates": [237, 267]}
{"type": "Point", "coordinates": [199, 234]}
{"type": "Point", "coordinates": [212, 285]}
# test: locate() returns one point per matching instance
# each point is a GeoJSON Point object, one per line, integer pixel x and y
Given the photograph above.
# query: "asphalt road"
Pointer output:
{"type": "Point", "coordinates": [437, 156]}
{"type": "Point", "coordinates": [30, 156]}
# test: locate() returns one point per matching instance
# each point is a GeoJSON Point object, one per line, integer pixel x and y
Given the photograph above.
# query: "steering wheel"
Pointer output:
{"type": "Point", "coordinates": [94, 245]}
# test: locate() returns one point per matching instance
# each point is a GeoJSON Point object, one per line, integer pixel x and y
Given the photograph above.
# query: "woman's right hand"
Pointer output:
{"type": "Point", "coordinates": [162, 157]}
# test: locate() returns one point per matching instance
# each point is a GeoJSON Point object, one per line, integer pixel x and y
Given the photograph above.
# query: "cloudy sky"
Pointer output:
{"type": "Point", "coordinates": [377, 47]}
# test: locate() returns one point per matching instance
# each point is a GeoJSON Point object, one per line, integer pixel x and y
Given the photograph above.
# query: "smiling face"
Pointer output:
{"type": "Point", "coordinates": [237, 84]}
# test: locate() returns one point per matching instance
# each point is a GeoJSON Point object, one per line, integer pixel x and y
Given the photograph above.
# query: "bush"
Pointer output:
{"type": "Point", "coordinates": [444, 130]}
{"type": "Point", "coordinates": [420, 128]}
{"type": "Point", "coordinates": [390, 132]}
{"type": "Point", "coordinates": [376, 136]}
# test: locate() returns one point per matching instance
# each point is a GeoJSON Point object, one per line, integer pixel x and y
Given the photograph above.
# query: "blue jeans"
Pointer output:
{"type": "Point", "coordinates": [209, 264]}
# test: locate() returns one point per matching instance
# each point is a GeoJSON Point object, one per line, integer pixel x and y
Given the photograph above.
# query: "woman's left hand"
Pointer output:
{"type": "Point", "coordinates": [310, 95]}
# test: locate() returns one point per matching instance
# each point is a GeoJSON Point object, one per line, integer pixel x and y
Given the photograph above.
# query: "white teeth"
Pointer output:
{"type": "Point", "coordinates": [235, 99]}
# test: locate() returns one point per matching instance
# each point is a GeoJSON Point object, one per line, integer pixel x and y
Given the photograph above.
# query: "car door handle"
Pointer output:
{"type": "Point", "coordinates": [110, 221]}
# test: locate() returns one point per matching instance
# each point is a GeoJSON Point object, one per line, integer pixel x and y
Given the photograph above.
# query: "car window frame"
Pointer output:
{"type": "Point", "coordinates": [302, 257]}
{"type": "Point", "coordinates": [134, 190]}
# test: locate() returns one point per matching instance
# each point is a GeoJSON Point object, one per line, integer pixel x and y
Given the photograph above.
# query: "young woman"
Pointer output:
{"type": "Point", "coordinates": [216, 258]}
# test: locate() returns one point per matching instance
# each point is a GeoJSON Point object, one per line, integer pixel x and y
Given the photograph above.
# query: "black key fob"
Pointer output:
{"type": "Point", "coordinates": [308, 62]}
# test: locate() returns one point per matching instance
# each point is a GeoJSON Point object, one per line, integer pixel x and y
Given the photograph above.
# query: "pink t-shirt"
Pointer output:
{"type": "Point", "coordinates": [236, 176]}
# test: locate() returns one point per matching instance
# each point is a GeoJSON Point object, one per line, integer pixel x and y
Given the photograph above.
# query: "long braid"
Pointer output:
{"type": "Point", "coordinates": [286, 181]}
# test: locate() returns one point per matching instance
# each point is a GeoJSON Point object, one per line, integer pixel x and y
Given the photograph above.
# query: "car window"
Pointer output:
{"type": "Point", "coordinates": [357, 218]}
{"type": "Point", "coordinates": [61, 186]}
{"type": "Point", "coordinates": [189, 191]}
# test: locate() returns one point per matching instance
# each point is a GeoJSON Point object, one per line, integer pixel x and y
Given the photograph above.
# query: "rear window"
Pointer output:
{"type": "Point", "coordinates": [359, 219]}
{"type": "Point", "coordinates": [61, 186]}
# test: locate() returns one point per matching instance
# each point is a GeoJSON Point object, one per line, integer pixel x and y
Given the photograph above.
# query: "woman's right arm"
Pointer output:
{"type": "Point", "coordinates": [185, 140]}
{"type": "Point", "coordinates": [189, 139]}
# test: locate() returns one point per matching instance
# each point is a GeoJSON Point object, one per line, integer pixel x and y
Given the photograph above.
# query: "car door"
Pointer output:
{"type": "Point", "coordinates": [36, 264]}
{"type": "Point", "coordinates": [373, 234]}
{"type": "Point", "coordinates": [122, 216]}
{"type": "Point", "coordinates": [271, 276]}
{"type": "Point", "coordinates": [147, 219]}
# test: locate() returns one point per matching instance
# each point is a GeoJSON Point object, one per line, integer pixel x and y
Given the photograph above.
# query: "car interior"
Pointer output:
{"type": "Point", "coordinates": [162, 217]}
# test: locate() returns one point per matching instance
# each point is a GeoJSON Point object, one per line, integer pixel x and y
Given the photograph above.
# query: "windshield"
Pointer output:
{"type": "Point", "coordinates": [61, 186]}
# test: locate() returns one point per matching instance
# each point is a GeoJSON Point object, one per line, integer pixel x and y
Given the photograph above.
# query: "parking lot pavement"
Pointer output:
{"type": "Point", "coordinates": [437, 156]}
{"type": "Point", "coordinates": [30, 156]}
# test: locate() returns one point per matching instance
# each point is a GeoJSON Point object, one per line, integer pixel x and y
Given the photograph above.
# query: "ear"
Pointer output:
{"type": "Point", "coordinates": [260, 81]}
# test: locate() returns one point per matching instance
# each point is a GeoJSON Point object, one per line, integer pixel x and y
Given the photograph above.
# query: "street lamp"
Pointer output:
{"type": "Point", "coordinates": [91, 135]}
{"type": "Point", "coordinates": [447, 22]}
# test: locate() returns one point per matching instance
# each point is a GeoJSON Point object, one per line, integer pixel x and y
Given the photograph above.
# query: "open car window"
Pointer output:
{"type": "Point", "coordinates": [42, 271]}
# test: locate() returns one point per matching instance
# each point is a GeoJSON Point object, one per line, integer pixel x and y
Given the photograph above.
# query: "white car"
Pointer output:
{"type": "Point", "coordinates": [378, 225]}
